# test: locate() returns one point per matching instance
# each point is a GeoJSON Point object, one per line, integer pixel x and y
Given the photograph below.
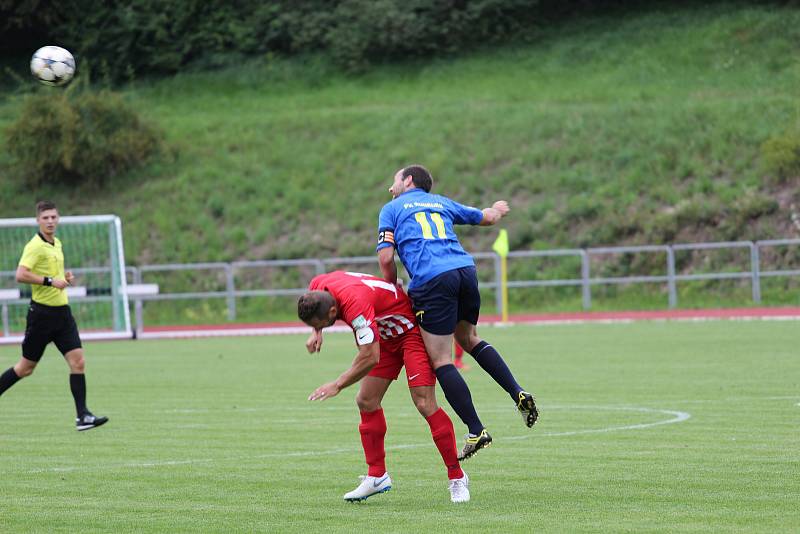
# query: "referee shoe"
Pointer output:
{"type": "Point", "coordinates": [88, 421]}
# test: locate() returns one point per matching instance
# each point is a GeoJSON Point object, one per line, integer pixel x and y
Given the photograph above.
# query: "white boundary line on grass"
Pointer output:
{"type": "Point", "coordinates": [677, 417]}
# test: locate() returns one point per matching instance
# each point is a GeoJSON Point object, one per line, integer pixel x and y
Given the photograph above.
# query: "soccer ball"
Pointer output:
{"type": "Point", "coordinates": [53, 65]}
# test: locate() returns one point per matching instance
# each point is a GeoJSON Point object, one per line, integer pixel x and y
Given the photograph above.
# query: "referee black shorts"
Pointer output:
{"type": "Point", "coordinates": [446, 299]}
{"type": "Point", "coordinates": [46, 324]}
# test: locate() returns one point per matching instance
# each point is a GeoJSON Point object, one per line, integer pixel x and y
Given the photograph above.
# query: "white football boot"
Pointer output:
{"type": "Point", "coordinates": [459, 489]}
{"type": "Point", "coordinates": [370, 486]}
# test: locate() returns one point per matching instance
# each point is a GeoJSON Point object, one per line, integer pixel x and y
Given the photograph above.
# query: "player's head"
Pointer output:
{"type": "Point", "coordinates": [413, 176]}
{"type": "Point", "coordinates": [46, 216]}
{"type": "Point", "coordinates": [317, 309]}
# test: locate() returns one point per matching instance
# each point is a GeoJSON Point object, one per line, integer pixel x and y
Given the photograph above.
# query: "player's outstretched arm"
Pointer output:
{"type": "Point", "coordinates": [367, 357]}
{"type": "Point", "coordinates": [492, 215]}
{"type": "Point", "coordinates": [387, 264]}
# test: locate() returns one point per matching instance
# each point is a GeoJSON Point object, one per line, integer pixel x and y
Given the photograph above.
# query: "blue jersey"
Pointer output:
{"type": "Point", "coordinates": [420, 226]}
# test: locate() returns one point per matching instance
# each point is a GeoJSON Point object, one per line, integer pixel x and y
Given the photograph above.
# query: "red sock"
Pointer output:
{"type": "Point", "coordinates": [444, 436]}
{"type": "Point", "coordinates": [373, 430]}
{"type": "Point", "coordinates": [458, 357]}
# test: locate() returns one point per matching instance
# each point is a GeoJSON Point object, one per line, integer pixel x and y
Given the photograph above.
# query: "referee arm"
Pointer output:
{"type": "Point", "coordinates": [26, 276]}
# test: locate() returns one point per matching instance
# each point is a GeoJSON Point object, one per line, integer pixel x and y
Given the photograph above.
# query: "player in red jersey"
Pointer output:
{"type": "Point", "coordinates": [387, 339]}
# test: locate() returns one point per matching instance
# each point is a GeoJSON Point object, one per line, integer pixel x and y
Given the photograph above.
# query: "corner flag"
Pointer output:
{"type": "Point", "coordinates": [501, 248]}
{"type": "Point", "coordinates": [501, 244]}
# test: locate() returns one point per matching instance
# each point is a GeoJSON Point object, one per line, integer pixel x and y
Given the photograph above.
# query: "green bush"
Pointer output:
{"type": "Point", "coordinates": [79, 139]}
{"type": "Point", "coordinates": [781, 155]}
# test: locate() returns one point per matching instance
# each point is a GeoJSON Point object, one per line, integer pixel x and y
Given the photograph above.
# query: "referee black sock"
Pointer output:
{"type": "Point", "coordinates": [77, 384]}
{"type": "Point", "coordinates": [8, 379]}
{"type": "Point", "coordinates": [491, 362]}
{"type": "Point", "coordinates": [457, 394]}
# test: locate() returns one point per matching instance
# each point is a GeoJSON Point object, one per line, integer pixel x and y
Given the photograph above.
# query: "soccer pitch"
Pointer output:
{"type": "Point", "coordinates": [660, 426]}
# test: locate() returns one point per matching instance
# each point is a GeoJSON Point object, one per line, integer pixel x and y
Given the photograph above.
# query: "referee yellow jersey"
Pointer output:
{"type": "Point", "coordinates": [45, 259]}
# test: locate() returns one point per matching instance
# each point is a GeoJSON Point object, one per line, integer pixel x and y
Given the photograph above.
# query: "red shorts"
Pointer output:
{"type": "Point", "coordinates": [409, 350]}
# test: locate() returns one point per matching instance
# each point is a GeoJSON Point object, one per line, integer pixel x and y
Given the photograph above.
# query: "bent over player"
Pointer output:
{"type": "Point", "coordinates": [49, 316]}
{"type": "Point", "coordinates": [444, 289]}
{"type": "Point", "coordinates": [383, 325]}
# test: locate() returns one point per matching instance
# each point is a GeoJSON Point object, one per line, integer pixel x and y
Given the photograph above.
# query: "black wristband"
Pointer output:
{"type": "Point", "coordinates": [47, 281]}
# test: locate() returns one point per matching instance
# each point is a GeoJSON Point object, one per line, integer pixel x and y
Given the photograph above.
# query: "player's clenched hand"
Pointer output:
{"type": "Point", "coordinates": [314, 342]}
{"type": "Point", "coordinates": [325, 391]}
{"type": "Point", "coordinates": [69, 277]}
{"type": "Point", "coordinates": [502, 207]}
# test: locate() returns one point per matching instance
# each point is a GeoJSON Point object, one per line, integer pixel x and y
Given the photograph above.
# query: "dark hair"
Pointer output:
{"type": "Point", "coordinates": [420, 176]}
{"type": "Point", "coordinates": [314, 305]}
{"type": "Point", "coordinates": [44, 205]}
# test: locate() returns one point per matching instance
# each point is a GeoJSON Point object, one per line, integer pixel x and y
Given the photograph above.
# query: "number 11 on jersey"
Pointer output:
{"type": "Point", "coordinates": [427, 231]}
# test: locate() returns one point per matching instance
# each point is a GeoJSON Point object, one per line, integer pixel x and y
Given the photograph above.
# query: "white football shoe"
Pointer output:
{"type": "Point", "coordinates": [369, 486]}
{"type": "Point", "coordinates": [459, 489]}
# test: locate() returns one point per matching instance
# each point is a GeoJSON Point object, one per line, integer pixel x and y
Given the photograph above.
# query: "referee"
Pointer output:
{"type": "Point", "coordinates": [49, 317]}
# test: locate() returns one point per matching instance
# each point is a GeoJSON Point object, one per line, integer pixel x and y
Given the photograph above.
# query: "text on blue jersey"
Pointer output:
{"type": "Point", "coordinates": [420, 226]}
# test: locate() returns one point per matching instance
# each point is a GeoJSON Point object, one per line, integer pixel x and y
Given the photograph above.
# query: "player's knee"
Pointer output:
{"type": "Point", "coordinates": [424, 401]}
{"type": "Point", "coordinates": [468, 341]}
{"type": "Point", "coordinates": [77, 364]}
{"type": "Point", "coordinates": [367, 403]}
{"type": "Point", "coordinates": [426, 407]}
{"type": "Point", "coordinates": [438, 360]}
{"type": "Point", "coordinates": [24, 370]}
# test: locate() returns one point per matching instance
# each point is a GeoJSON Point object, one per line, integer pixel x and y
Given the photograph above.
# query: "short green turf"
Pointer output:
{"type": "Point", "coordinates": [645, 427]}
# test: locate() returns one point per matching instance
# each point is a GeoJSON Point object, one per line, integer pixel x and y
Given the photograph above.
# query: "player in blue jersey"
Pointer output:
{"type": "Point", "coordinates": [444, 289]}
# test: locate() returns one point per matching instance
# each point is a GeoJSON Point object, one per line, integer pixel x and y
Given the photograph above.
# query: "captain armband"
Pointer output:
{"type": "Point", "coordinates": [386, 236]}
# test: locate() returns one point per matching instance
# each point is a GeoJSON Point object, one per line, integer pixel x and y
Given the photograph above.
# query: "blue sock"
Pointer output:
{"type": "Point", "coordinates": [491, 362]}
{"type": "Point", "coordinates": [457, 394]}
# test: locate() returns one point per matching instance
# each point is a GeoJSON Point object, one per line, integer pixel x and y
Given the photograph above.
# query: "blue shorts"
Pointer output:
{"type": "Point", "coordinates": [443, 301]}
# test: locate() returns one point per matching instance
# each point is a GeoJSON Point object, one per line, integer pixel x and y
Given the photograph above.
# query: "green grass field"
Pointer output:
{"type": "Point", "coordinates": [216, 436]}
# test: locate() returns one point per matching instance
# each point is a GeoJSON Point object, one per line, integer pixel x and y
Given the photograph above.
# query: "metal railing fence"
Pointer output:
{"type": "Point", "coordinates": [231, 289]}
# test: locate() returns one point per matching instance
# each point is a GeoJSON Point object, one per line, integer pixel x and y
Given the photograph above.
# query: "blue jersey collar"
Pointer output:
{"type": "Point", "coordinates": [415, 190]}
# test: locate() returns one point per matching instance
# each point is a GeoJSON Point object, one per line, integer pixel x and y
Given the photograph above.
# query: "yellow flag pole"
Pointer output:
{"type": "Point", "coordinates": [504, 286]}
{"type": "Point", "coordinates": [501, 248]}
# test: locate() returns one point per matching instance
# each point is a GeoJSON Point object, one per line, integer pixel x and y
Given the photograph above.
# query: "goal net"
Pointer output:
{"type": "Point", "coordinates": [93, 252]}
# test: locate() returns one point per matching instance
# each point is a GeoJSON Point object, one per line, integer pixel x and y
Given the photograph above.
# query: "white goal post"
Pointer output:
{"type": "Point", "coordinates": [93, 251]}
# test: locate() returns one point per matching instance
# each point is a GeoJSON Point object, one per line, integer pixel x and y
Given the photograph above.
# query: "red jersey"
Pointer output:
{"type": "Point", "coordinates": [366, 302]}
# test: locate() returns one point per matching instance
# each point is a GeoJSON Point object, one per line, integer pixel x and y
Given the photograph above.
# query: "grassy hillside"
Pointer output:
{"type": "Point", "coordinates": [646, 129]}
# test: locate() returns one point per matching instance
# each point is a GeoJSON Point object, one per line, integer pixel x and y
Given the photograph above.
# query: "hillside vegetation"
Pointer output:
{"type": "Point", "coordinates": [647, 128]}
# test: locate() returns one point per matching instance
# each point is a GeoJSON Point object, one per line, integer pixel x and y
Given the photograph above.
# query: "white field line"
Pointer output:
{"type": "Point", "coordinates": [676, 417]}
